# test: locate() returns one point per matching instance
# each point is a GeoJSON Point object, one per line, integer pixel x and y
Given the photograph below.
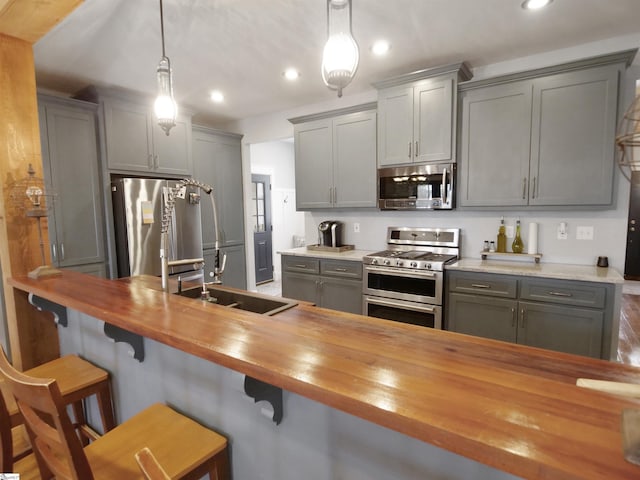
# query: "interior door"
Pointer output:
{"type": "Point", "coordinates": [262, 228]}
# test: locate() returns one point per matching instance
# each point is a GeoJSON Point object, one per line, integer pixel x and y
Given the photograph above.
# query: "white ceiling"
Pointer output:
{"type": "Point", "coordinates": [242, 46]}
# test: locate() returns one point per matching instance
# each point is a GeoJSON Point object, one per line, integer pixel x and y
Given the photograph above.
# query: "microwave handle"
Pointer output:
{"type": "Point", "coordinates": [444, 186]}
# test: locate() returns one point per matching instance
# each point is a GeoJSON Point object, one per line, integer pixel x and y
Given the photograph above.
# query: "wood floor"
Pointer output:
{"type": "Point", "coordinates": [629, 341]}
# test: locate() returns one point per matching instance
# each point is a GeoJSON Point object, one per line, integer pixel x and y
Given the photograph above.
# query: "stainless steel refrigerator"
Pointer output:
{"type": "Point", "coordinates": [138, 205]}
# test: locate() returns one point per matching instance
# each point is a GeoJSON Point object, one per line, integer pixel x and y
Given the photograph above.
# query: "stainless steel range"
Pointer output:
{"type": "Point", "coordinates": [405, 282]}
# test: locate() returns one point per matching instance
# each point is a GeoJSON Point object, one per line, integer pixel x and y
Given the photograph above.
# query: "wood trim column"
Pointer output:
{"type": "Point", "coordinates": [33, 337]}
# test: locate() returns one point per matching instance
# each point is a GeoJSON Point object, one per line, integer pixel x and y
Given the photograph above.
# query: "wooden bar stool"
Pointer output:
{"type": "Point", "coordinates": [184, 448]}
{"type": "Point", "coordinates": [77, 379]}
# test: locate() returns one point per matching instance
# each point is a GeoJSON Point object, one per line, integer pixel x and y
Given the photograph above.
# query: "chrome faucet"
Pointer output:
{"type": "Point", "coordinates": [170, 201]}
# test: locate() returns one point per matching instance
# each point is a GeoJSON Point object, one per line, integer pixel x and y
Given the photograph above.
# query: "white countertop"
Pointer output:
{"type": "Point", "coordinates": [586, 273]}
{"type": "Point", "coordinates": [355, 255]}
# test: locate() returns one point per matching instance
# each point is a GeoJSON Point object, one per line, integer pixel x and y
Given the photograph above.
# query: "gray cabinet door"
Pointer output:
{"type": "Point", "coordinates": [565, 329]}
{"type": "Point", "coordinates": [217, 161]}
{"type": "Point", "coordinates": [395, 126]}
{"type": "Point", "coordinates": [235, 272]}
{"type": "Point", "coordinates": [495, 145]}
{"type": "Point", "coordinates": [128, 136]}
{"type": "Point", "coordinates": [433, 121]}
{"type": "Point", "coordinates": [486, 317]}
{"type": "Point", "coordinates": [301, 286]}
{"type": "Point", "coordinates": [172, 153]}
{"type": "Point", "coordinates": [354, 160]}
{"type": "Point", "coordinates": [314, 164]}
{"type": "Point", "coordinates": [135, 142]}
{"type": "Point", "coordinates": [71, 167]}
{"type": "Point", "coordinates": [573, 132]}
{"type": "Point", "coordinates": [341, 294]}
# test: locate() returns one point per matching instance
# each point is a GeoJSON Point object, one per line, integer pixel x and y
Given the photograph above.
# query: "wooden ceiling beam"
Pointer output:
{"type": "Point", "coordinates": [30, 20]}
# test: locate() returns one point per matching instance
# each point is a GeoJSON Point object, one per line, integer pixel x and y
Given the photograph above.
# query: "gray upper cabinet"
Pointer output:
{"type": "Point", "coordinates": [70, 159]}
{"type": "Point", "coordinates": [540, 138]}
{"type": "Point", "coordinates": [416, 116]}
{"type": "Point", "coordinates": [495, 145]}
{"type": "Point", "coordinates": [135, 142]}
{"type": "Point", "coordinates": [217, 161]}
{"type": "Point", "coordinates": [331, 150]}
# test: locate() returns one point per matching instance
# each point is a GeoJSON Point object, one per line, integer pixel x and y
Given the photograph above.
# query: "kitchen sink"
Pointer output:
{"type": "Point", "coordinates": [242, 300]}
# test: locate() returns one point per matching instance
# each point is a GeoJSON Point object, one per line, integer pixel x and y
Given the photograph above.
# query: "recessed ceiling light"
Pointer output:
{"type": "Point", "coordinates": [535, 4]}
{"type": "Point", "coordinates": [217, 96]}
{"type": "Point", "coordinates": [291, 74]}
{"type": "Point", "coordinates": [380, 47]}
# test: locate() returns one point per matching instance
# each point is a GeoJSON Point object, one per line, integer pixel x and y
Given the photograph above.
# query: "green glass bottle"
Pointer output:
{"type": "Point", "coordinates": [517, 246]}
{"type": "Point", "coordinates": [502, 238]}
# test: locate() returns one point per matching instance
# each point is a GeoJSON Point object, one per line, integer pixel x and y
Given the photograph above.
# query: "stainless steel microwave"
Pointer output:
{"type": "Point", "coordinates": [417, 187]}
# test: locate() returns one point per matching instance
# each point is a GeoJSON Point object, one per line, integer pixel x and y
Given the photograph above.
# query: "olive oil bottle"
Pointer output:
{"type": "Point", "coordinates": [517, 246]}
{"type": "Point", "coordinates": [502, 238]}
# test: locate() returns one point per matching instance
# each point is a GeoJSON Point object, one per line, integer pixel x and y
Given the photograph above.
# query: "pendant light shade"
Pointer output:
{"type": "Point", "coordinates": [165, 106]}
{"type": "Point", "coordinates": [340, 57]}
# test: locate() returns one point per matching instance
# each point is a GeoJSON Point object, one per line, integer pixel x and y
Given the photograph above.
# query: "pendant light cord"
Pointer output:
{"type": "Point", "coordinates": [162, 28]}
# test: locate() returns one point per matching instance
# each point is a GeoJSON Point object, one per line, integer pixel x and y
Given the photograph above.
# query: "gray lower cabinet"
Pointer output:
{"type": "Point", "coordinates": [332, 151]}
{"type": "Point", "coordinates": [335, 284]}
{"type": "Point", "coordinates": [235, 273]}
{"type": "Point", "coordinates": [541, 140]}
{"type": "Point", "coordinates": [563, 315]}
{"type": "Point", "coordinates": [72, 173]}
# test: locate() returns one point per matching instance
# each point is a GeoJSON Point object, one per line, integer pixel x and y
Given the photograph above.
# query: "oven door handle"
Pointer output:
{"type": "Point", "coordinates": [387, 303]}
{"type": "Point", "coordinates": [411, 273]}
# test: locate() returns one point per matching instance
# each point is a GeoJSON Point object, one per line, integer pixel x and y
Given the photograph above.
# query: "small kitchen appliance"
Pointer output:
{"type": "Point", "coordinates": [405, 282]}
{"type": "Point", "coordinates": [417, 187]}
{"type": "Point", "coordinates": [330, 233]}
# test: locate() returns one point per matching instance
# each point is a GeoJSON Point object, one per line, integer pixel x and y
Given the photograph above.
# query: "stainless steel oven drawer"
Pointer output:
{"type": "Point", "coordinates": [482, 284]}
{"type": "Point", "coordinates": [294, 263]}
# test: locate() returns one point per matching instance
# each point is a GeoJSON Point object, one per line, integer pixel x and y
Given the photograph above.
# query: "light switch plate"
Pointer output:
{"type": "Point", "coordinates": [356, 228]}
{"type": "Point", "coordinates": [562, 231]}
{"type": "Point", "coordinates": [584, 233]}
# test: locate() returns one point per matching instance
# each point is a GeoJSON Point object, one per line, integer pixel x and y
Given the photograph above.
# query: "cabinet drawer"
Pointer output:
{"type": "Point", "coordinates": [300, 264]}
{"type": "Point", "coordinates": [482, 284]}
{"type": "Point", "coordinates": [582, 294]}
{"type": "Point", "coordinates": [339, 268]}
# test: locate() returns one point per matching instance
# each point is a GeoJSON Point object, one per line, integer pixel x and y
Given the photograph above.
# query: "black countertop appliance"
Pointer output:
{"type": "Point", "coordinates": [330, 233]}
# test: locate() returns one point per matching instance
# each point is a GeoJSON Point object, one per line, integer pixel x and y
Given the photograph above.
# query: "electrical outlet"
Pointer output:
{"type": "Point", "coordinates": [584, 233]}
{"type": "Point", "coordinates": [562, 231]}
{"type": "Point", "coordinates": [509, 232]}
{"type": "Point", "coordinates": [356, 228]}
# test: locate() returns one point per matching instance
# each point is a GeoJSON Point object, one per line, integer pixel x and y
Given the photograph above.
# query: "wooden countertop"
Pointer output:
{"type": "Point", "coordinates": [512, 407]}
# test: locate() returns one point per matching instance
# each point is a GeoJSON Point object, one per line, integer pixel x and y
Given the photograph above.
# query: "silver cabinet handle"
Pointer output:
{"type": "Point", "coordinates": [480, 285]}
{"type": "Point", "coordinates": [300, 266]}
{"type": "Point", "coordinates": [416, 152]}
{"type": "Point", "coordinates": [409, 150]}
{"type": "Point", "coordinates": [339, 269]}
{"type": "Point", "coordinates": [533, 189]}
{"type": "Point", "coordinates": [443, 193]}
{"type": "Point", "coordinates": [522, 317]}
{"type": "Point", "coordinates": [513, 317]}
{"type": "Point", "coordinates": [54, 252]}
{"type": "Point", "coordinates": [524, 188]}
{"type": "Point", "coordinates": [330, 194]}
{"type": "Point", "coordinates": [335, 194]}
{"type": "Point", "coordinates": [156, 161]}
{"type": "Point", "coordinates": [560, 294]}
{"type": "Point", "coordinates": [61, 251]}
{"type": "Point", "coordinates": [150, 161]}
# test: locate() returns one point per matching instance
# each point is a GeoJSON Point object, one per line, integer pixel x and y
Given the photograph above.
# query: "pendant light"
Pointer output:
{"type": "Point", "coordinates": [340, 56]}
{"type": "Point", "coordinates": [165, 105]}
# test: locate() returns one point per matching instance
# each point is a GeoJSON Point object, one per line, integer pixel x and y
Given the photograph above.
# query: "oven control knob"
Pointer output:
{"type": "Point", "coordinates": [374, 261]}
{"type": "Point", "coordinates": [414, 264]}
{"type": "Point", "coordinates": [399, 263]}
{"type": "Point", "coordinates": [387, 261]}
{"type": "Point", "coordinates": [428, 265]}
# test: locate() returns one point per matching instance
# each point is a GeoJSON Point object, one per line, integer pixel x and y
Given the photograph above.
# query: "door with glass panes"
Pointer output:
{"type": "Point", "coordinates": [262, 228]}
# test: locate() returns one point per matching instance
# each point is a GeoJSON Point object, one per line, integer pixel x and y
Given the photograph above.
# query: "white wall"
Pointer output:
{"type": "Point", "coordinates": [277, 160]}
{"type": "Point", "coordinates": [477, 226]}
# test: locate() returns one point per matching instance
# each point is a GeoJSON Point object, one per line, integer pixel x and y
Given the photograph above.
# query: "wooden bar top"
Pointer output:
{"type": "Point", "coordinates": [511, 407]}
